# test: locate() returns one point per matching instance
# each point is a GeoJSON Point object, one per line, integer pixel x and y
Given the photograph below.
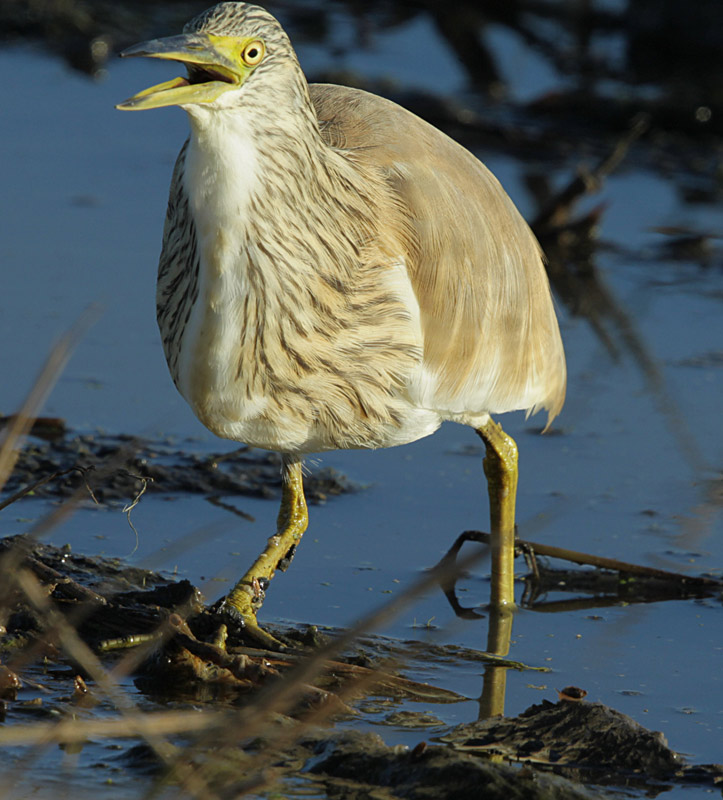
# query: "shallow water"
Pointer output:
{"type": "Point", "coordinates": [629, 476]}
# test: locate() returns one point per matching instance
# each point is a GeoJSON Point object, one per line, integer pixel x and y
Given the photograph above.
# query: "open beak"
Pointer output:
{"type": "Point", "coordinates": [214, 66]}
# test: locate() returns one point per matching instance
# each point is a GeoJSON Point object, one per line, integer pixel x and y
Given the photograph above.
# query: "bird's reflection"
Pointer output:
{"type": "Point", "coordinates": [608, 584]}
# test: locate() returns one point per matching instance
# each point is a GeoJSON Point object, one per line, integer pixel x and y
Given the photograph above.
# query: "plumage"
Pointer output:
{"type": "Point", "coordinates": [491, 341]}
{"type": "Point", "coordinates": [477, 332]}
{"type": "Point", "coordinates": [336, 272]}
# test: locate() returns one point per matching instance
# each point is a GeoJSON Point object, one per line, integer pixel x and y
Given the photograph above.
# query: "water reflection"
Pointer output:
{"type": "Point", "coordinates": [499, 632]}
{"type": "Point", "coordinates": [609, 583]}
{"type": "Point", "coordinates": [494, 682]}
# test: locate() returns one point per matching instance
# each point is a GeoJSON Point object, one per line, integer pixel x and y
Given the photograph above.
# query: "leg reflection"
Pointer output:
{"type": "Point", "coordinates": [492, 702]}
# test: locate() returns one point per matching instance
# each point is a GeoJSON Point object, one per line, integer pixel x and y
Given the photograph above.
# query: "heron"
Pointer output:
{"type": "Point", "coordinates": [337, 273]}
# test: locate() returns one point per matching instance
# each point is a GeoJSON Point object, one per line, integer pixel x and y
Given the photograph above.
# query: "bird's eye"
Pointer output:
{"type": "Point", "coordinates": [253, 53]}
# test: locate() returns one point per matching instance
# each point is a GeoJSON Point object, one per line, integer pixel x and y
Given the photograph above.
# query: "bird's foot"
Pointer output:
{"type": "Point", "coordinates": [238, 611]}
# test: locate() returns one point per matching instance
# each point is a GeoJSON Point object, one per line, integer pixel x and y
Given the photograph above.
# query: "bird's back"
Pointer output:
{"type": "Point", "coordinates": [491, 338]}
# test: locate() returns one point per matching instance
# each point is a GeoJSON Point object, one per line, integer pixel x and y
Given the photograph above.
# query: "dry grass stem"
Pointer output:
{"type": "Point", "coordinates": [23, 421]}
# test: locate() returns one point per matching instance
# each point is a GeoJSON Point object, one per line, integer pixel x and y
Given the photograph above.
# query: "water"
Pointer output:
{"type": "Point", "coordinates": [629, 477]}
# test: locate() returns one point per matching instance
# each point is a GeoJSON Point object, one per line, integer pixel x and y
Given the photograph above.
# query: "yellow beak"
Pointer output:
{"type": "Point", "coordinates": [214, 66]}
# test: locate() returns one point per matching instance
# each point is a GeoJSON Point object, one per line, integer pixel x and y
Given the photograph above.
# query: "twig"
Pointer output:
{"type": "Point", "coordinates": [601, 561]}
{"type": "Point", "coordinates": [53, 476]}
{"type": "Point", "coordinates": [127, 642]}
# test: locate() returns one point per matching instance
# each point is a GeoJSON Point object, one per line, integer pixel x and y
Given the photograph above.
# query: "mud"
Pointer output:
{"type": "Point", "coordinates": [181, 660]}
{"type": "Point", "coordinates": [581, 740]}
{"type": "Point", "coordinates": [116, 468]}
{"type": "Point", "coordinates": [430, 772]}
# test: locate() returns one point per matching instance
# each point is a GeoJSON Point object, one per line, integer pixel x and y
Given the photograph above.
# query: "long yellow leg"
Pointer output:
{"type": "Point", "coordinates": [245, 599]}
{"type": "Point", "coordinates": [500, 466]}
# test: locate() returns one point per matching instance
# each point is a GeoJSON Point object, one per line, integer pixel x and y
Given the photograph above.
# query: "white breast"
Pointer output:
{"type": "Point", "coordinates": [219, 181]}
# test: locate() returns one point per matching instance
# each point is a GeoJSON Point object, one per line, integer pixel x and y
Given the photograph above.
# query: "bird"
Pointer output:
{"type": "Point", "coordinates": [336, 273]}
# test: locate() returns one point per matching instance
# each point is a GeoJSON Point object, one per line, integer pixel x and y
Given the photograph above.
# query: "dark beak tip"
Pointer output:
{"type": "Point", "coordinates": [142, 49]}
{"type": "Point", "coordinates": [128, 52]}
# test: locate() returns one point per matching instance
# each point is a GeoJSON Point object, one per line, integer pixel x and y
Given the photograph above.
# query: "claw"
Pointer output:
{"type": "Point", "coordinates": [242, 616]}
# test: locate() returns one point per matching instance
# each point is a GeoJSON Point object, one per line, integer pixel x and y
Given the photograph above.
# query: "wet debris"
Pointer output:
{"type": "Point", "coordinates": [597, 588]}
{"type": "Point", "coordinates": [187, 652]}
{"type": "Point", "coordinates": [71, 576]}
{"type": "Point", "coordinates": [160, 632]}
{"type": "Point", "coordinates": [107, 468]}
{"type": "Point", "coordinates": [9, 683]}
{"type": "Point", "coordinates": [103, 598]}
{"type": "Point", "coordinates": [190, 668]}
{"type": "Point", "coordinates": [413, 720]}
{"type": "Point", "coordinates": [610, 582]}
{"type": "Point", "coordinates": [583, 741]}
{"type": "Point", "coordinates": [82, 695]}
{"type": "Point", "coordinates": [355, 766]}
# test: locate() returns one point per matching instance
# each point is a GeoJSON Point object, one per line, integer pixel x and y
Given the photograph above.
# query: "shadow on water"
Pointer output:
{"type": "Point", "coordinates": [605, 121]}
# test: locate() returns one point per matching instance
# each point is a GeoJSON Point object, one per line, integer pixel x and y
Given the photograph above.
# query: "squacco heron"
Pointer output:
{"type": "Point", "coordinates": [337, 273]}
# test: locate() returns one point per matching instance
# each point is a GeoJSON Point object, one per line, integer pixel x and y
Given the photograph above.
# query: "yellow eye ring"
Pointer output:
{"type": "Point", "coordinates": [253, 53]}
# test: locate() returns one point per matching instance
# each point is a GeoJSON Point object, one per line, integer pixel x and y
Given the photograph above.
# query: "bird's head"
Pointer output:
{"type": "Point", "coordinates": [222, 48]}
